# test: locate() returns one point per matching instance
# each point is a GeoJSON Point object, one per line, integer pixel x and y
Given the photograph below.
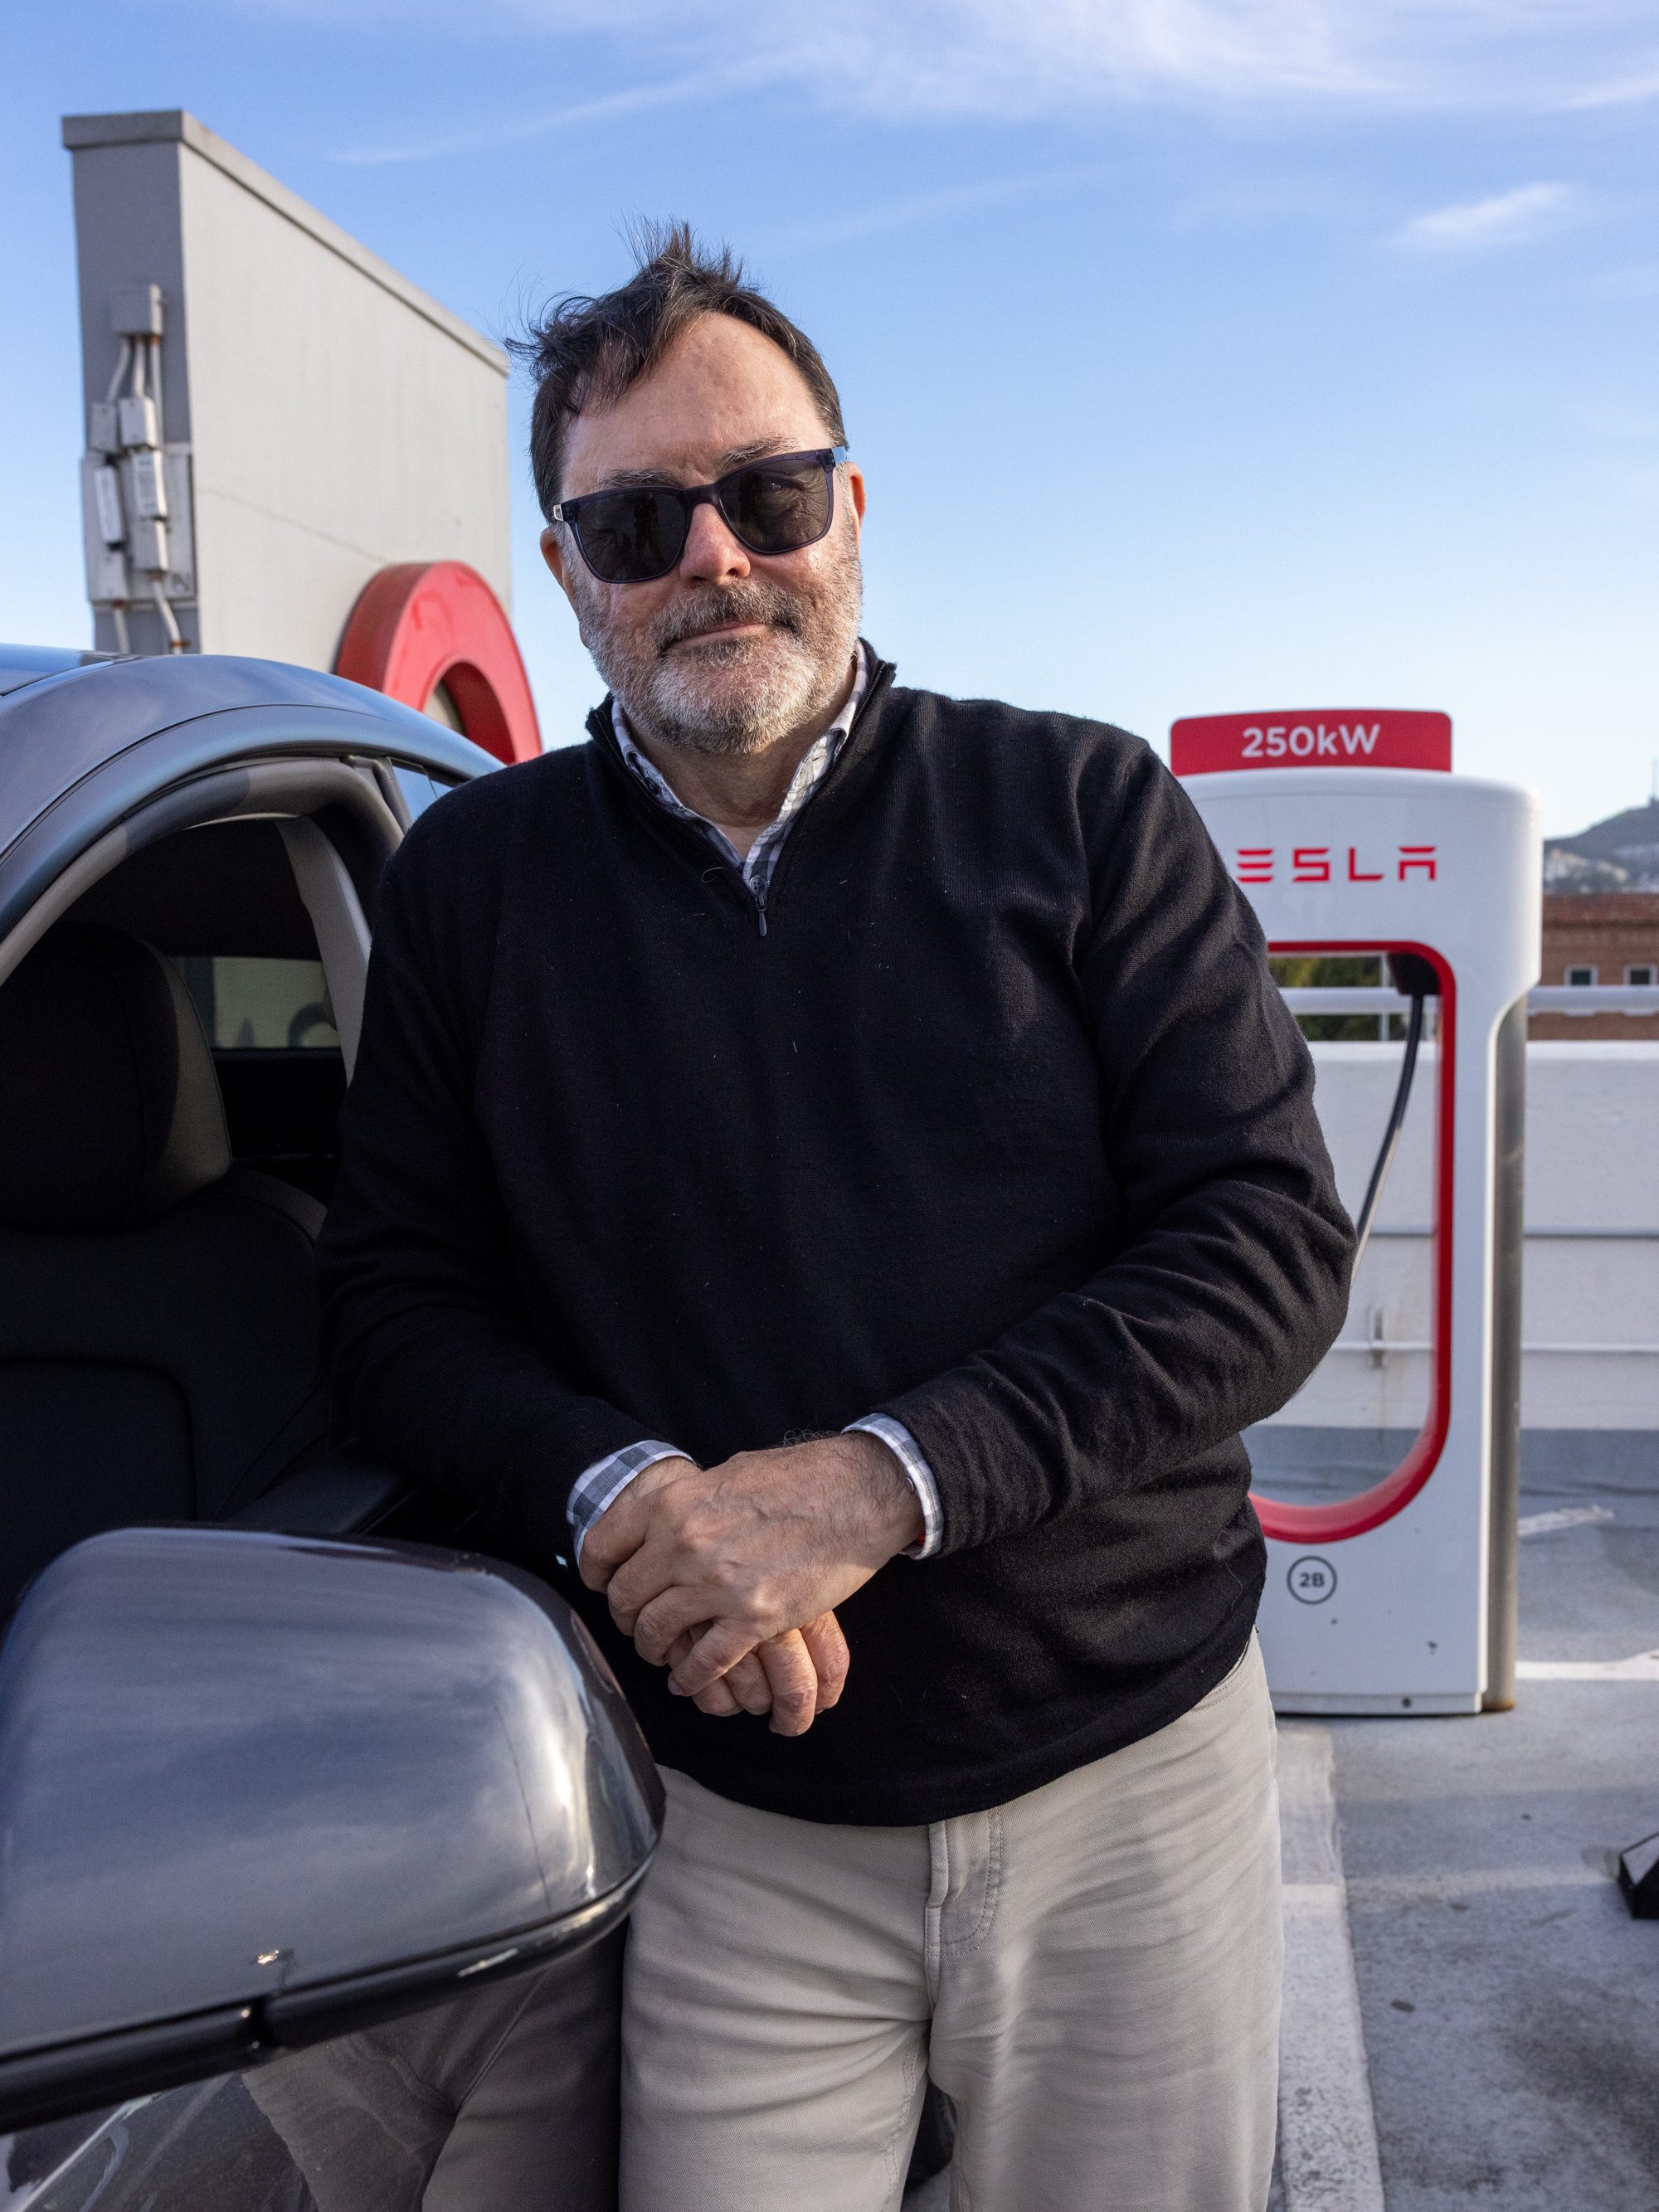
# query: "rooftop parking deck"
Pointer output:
{"type": "Point", "coordinates": [1508, 2002]}
{"type": "Point", "coordinates": [1497, 2041]}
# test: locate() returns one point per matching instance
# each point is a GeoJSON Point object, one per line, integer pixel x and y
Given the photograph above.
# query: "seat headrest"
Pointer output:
{"type": "Point", "coordinates": [110, 1111]}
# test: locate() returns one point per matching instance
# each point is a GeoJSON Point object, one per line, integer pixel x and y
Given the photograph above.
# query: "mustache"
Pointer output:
{"type": "Point", "coordinates": [752, 602]}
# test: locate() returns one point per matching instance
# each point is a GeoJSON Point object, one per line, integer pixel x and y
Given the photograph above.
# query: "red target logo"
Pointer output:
{"type": "Point", "coordinates": [425, 625]}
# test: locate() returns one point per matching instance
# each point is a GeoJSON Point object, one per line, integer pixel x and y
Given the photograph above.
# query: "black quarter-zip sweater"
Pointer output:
{"type": "Point", "coordinates": [999, 1126]}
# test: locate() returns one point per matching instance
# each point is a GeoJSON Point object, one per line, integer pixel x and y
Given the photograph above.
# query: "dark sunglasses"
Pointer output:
{"type": "Point", "coordinates": [777, 504]}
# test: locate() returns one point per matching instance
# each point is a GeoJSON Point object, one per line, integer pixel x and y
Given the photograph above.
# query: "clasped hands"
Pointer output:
{"type": "Point", "coordinates": [730, 1575]}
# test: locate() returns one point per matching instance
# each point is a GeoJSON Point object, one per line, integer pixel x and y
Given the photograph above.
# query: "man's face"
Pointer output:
{"type": "Point", "coordinates": [731, 650]}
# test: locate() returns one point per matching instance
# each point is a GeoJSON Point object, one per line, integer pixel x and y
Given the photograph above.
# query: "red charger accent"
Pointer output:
{"type": "Point", "coordinates": [1325, 737]}
{"type": "Point", "coordinates": [1353, 1516]}
{"type": "Point", "coordinates": [420, 623]}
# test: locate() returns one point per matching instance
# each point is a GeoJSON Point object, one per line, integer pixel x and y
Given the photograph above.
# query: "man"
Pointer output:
{"type": "Point", "coordinates": [829, 1161]}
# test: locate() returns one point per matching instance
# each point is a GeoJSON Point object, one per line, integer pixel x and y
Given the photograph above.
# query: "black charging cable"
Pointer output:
{"type": "Point", "coordinates": [1415, 977]}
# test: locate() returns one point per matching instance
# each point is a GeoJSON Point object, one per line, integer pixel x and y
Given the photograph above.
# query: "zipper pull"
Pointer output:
{"type": "Point", "coordinates": [759, 890]}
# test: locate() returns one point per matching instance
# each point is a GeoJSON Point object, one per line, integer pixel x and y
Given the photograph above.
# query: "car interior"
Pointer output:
{"type": "Point", "coordinates": [168, 1139]}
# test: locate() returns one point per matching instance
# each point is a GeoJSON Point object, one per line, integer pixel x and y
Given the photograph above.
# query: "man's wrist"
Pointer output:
{"type": "Point", "coordinates": [892, 1510]}
{"type": "Point", "coordinates": [913, 1460]}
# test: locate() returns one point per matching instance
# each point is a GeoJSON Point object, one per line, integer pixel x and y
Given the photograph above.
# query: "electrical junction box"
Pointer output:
{"type": "Point", "coordinates": [108, 522]}
{"type": "Point", "coordinates": [103, 528]}
{"type": "Point", "coordinates": [1391, 1588]}
{"type": "Point", "coordinates": [146, 485]}
{"type": "Point", "coordinates": [136, 422]}
{"type": "Point", "coordinates": [147, 544]}
{"type": "Point", "coordinates": [135, 311]}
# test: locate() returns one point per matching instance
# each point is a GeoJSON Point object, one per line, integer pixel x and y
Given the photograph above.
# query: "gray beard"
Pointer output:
{"type": "Point", "coordinates": [742, 696]}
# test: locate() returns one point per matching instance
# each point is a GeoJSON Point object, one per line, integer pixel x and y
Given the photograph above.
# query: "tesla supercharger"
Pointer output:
{"type": "Point", "coordinates": [1348, 833]}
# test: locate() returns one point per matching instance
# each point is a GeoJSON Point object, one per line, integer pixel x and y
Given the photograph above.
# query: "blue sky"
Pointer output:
{"type": "Point", "coordinates": [1201, 353]}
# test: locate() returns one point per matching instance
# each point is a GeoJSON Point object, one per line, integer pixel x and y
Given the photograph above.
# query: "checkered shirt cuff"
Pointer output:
{"type": "Point", "coordinates": [910, 1456]}
{"type": "Point", "coordinates": [603, 1484]}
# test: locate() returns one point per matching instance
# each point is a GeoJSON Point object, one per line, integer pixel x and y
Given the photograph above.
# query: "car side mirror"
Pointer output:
{"type": "Point", "coordinates": [257, 1790]}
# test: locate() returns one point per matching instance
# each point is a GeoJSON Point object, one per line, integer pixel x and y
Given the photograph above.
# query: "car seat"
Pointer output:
{"type": "Point", "coordinates": [160, 1345]}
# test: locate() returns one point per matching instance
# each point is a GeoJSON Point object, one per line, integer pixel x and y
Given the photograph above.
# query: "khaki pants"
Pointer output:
{"type": "Point", "coordinates": [1090, 1973]}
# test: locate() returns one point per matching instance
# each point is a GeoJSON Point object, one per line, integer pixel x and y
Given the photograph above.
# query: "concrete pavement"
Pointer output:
{"type": "Point", "coordinates": [1501, 2005]}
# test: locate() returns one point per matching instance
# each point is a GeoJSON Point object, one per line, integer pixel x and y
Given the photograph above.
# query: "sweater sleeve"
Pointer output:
{"type": "Point", "coordinates": [433, 1363]}
{"type": "Point", "coordinates": [1231, 1276]}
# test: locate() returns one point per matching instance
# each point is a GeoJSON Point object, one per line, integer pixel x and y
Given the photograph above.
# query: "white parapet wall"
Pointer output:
{"type": "Point", "coordinates": [1592, 1266]}
{"type": "Point", "coordinates": [337, 419]}
{"type": "Point", "coordinates": [1591, 1309]}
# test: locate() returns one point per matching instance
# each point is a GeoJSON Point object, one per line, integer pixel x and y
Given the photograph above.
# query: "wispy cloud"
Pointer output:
{"type": "Point", "coordinates": [986, 56]}
{"type": "Point", "coordinates": [1016, 59]}
{"type": "Point", "coordinates": [1506, 219]}
{"type": "Point", "coordinates": [550, 123]}
{"type": "Point", "coordinates": [920, 208]}
{"type": "Point", "coordinates": [1633, 90]}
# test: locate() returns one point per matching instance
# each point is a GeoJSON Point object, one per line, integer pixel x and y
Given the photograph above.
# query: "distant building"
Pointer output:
{"type": "Point", "coordinates": [1600, 938]}
{"type": "Point", "coordinates": [1601, 920]}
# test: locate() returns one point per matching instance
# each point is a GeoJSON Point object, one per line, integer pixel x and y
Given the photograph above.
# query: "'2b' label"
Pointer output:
{"type": "Point", "coordinates": [1311, 1580]}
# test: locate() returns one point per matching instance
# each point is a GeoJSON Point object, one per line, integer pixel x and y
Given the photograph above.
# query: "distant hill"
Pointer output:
{"type": "Point", "coordinates": [1619, 854]}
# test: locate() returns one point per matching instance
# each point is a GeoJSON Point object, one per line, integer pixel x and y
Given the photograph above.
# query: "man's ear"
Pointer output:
{"type": "Point", "coordinates": [553, 552]}
{"type": "Point", "coordinates": [856, 490]}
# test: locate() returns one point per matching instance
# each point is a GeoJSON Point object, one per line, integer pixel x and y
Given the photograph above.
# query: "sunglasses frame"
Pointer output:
{"type": "Point", "coordinates": [689, 497]}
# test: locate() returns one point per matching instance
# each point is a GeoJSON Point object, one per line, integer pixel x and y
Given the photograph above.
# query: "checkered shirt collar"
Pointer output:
{"type": "Point", "coordinates": [756, 867]}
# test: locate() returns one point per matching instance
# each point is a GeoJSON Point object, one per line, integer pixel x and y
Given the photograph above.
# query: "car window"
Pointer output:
{"type": "Point", "coordinates": [262, 1006]}
{"type": "Point", "coordinates": [252, 1005]}
{"type": "Point", "coordinates": [204, 2148]}
{"type": "Point", "coordinates": [221, 901]}
{"type": "Point", "coordinates": [420, 790]}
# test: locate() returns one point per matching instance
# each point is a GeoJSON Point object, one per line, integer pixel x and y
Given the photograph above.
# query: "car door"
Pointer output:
{"type": "Point", "coordinates": [250, 867]}
{"type": "Point", "coordinates": [204, 2148]}
{"type": "Point", "coordinates": [484, 2087]}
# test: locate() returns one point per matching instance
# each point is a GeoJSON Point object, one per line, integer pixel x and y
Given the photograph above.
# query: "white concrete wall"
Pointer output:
{"type": "Point", "coordinates": [1592, 1166]}
{"type": "Point", "coordinates": [1592, 1162]}
{"type": "Point", "coordinates": [339, 419]}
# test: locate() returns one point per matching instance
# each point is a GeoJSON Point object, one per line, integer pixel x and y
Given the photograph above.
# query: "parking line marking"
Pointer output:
{"type": "Point", "coordinates": [1644, 1668]}
{"type": "Point", "coordinates": [1328, 2151]}
{"type": "Point", "coordinates": [1392, 1889]}
{"type": "Point", "coordinates": [1564, 1516]}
